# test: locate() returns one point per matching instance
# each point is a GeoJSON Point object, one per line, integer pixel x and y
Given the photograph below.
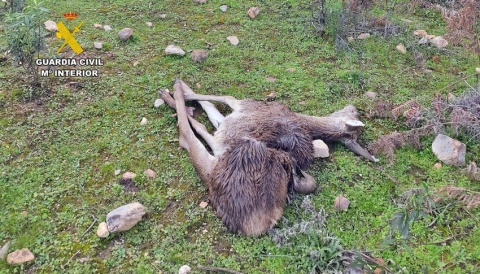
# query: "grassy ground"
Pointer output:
{"type": "Point", "coordinates": [61, 145]}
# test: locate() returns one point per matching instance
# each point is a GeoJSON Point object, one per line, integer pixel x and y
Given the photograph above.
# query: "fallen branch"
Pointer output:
{"type": "Point", "coordinates": [90, 227]}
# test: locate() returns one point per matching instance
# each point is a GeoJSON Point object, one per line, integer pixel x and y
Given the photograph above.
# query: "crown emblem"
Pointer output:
{"type": "Point", "coordinates": [70, 15]}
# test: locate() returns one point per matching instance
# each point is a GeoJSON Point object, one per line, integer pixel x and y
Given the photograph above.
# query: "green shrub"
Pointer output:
{"type": "Point", "coordinates": [25, 36]}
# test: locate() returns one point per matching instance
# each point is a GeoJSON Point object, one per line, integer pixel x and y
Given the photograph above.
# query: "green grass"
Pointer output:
{"type": "Point", "coordinates": [60, 146]}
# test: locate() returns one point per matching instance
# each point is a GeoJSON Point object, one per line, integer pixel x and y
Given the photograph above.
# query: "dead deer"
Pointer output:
{"type": "Point", "coordinates": [259, 151]}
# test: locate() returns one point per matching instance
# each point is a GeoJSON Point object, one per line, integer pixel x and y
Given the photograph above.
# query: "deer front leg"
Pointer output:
{"type": "Point", "coordinates": [203, 161]}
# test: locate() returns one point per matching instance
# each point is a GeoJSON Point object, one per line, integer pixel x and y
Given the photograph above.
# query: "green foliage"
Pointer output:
{"type": "Point", "coordinates": [25, 35]}
{"type": "Point", "coordinates": [418, 203]}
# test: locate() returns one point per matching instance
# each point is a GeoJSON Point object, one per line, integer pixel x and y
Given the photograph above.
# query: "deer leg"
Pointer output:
{"type": "Point", "coordinates": [215, 117]}
{"type": "Point", "coordinates": [199, 128]}
{"type": "Point", "coordinates": [203, 161]}
{"type": "Point", "coordinates": [231, 101]}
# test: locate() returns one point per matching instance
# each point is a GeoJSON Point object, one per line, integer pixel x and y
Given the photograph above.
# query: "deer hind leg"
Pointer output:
{"type": "Point", "coordinates": [203, 161]}
{"type": "Point", "coordinates": [199, 128]}
{"type": "Point", "coordinates": [231, 101]}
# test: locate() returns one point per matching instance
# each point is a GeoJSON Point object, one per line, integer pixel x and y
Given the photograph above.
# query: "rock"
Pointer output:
{"type": "Point", "coordinates": [350, 39]}
{"type": "Point", "coordinates": [199, 55]}
{"type": "Point", "coordinates": [102, 230]}
{"type": "Point", "coordinates": [291, 70]}
{"type": "Point", "coordinates": [129, 175]}
{"type": "Point", "coordinates": [51, 26]}
{"type": "Point", "coordinates": [271, 79]}
{"type": "Point", "coordinates": [117, 171]}
{"type": "Point", "coordinates": [320, 149]}
{"type": "Point", "coordinates": [437, 166]}
{"type": "Point", "coordinates": [423, 41]}
{"type": "Point", "coordinates": [370, 94]}
{"type": "Point", "coordinates": [98, 45]}
{"type": "Point", "coordinates": [233, 40]}
{"type": "Point", "coordinates": [150, 173]}
{"type": "Point", "coordinates": [149, 24]}
{"type": "Point", "coordinates": [203, 204]}
{"type": "Point", "coordinates": [439, 42]}
{"type": "Point", "coordinates": [420, 33]}
{"type": "Point", "coordinates": [162, 16]}
{"type": "Point", "coordinates": [20, 256]}
{"type": "Point", "coordinates": [271, 96]}
{"type": "Point", "coordinates": [184, 269]}
{"type": "Point", "coordinates": [125, 34]}
{"type": "Point", "coordinates": [477, 70]}
{"type": "Point", "coordinates": [97, 26]}
{"type": "Point", "coordinates": [451, 97]}
{"type": "Point", "coordinates": [407, 21]}
{"type": "Point", "coordinates": [363, 36]}
{"type": "Point", "coordinates": [448, 150]}
{"type": "Point", "coordinates": [4, 250]}
{"type": "Point", "coordinates": [341, 203]}
{"type": "Point", "coordinates": [401, 48]}
{"type": "Point", "coordinates": [253, 12]}
{"type": "Point", "coordinates": [107, 28]}
{"type": "Point", "coordinates": [158, 103]}
{"type": "Point", "coordinates": [200, 1]}
{"type": "Point", "coordinates": [143, 121]}
{"type": "Point", "coordinates": [125, 217]}
{"type": "Point", "coordinates": [174, 50]}
{"type": "Point", "coordinates": [224, 8]}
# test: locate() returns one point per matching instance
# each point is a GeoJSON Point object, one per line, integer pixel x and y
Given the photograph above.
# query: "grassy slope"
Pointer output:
{"type": "Point", "coordinates": [59, 152]}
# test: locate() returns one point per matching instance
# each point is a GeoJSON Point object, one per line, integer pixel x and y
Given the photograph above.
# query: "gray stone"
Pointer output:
{"type": "Point", "coordinates": [174, 50]}
{"type": "Point", "coordinates": [233, 40]}
{"type": "Point", "coordinates": [4, 250]}
{"type": "Point", "coordinates": [20, 256]}
{"type": "Point", "coordinates": [448, 150]}
{"type": "Point", "coordinates": [224, 8]}
{"type": "Point", "coordinates": [184, 269]}
{"type": "Point", "coordinates": [363, 36]}
{"type": "Point", "coordinates": [125, 34]}
{"type": "Point", "coordinates": [320, 149]}
{"type": "Point", "coordinates": [102, 230]}
{"type": "Point", "coordinates": [51, 26]}
{"type": "Point", "coordinates": [98, 45]}
{"type": "Point", "coordinates": [253, 12]}
{"type": "Point", "coordinates": [158, 103]}
{"type": "Point", "coordinates": [370, 94]}
{"type": "Point", "coordinates": [199, 55]}
{"type": "Point", "coordinates": [125, 217]}
{"type": "Point", "coordinates": [150, 173]}
{"type": "Point", "coordinates": [107, 27]}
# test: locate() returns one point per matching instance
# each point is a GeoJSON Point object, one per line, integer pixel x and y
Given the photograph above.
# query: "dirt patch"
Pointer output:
{"type": "Point", "coordinates": [128, 185]}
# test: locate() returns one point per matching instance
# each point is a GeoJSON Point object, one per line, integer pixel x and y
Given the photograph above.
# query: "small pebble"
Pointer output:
{"type": "Point", "coordinates": [158, 103]}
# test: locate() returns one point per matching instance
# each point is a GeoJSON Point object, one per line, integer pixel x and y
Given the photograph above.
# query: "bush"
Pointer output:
{"type": "Point", "coordinates": [25, 36]}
